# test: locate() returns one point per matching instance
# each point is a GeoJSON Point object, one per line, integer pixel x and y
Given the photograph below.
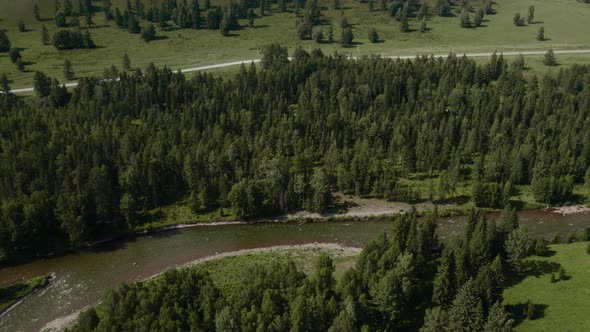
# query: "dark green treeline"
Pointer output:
{"type": "Point", "coordinates": [80, 166]}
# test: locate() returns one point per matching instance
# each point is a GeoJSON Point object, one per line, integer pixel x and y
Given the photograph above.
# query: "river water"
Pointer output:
{"type": "Point", "coordinates": [82, 278]}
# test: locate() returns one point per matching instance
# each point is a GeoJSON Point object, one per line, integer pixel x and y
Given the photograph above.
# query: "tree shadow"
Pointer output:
{"type": "Point", "coordinates": [548, 253]}
{"type": "Point", "coordinates": [519, 311]}
{"type": "Point", "coordinates": [261, 26]}
{"type": "Point", "coordinates": [533, 268]}
{"type": "Point", "coordinates": [161, 38]}
{"type": "Point", "coordinates": [459, 200]}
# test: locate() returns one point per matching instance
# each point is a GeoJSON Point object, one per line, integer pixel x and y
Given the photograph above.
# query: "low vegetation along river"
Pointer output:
{"type": "Point", "coordinates": [82, 278]}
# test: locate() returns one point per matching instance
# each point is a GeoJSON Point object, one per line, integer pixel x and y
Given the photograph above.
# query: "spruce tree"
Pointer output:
{"type": "Point", "coordinates": [478, 17]}
{"type": "Point", "coordinates": [404, 26]}
{"type": "Point", "coordinates": [373, 36]}
{"type": "Point", "coordinates": [531, 16]}
{"type": "Point", "coordinates": [126, 62]}
{"type": "Point", "coordinates": [41, 84]}
{"type": "Point", "coordinates": [423, 26]}
{"type": "Point", "coordinates": [4, 83]}
{"type": "Point", "coordinates": [466, 312]}
{"type": "Point", "coordinates": [36, 12]}
{"type": "Point", "coordinates": [465, 20]}
{"type": "Point", "coordinates": [347, 36]}
{"type": "Point", "coordinates": [21, 25]}
{"type": "Point", "coordinates": [14, 54]}
{"type": "Point", "coordinates": [68, 71]}
{"type": "Point", "coordinates": [541, 34]}
{"type": "Point", "coordinates": [44, 35]}
{"type": "Point", "coordinates": [251, 16]}
{"type": "Point", "coordinates": [549, 59]}
{"type": "Point", "coordinates": [20, 64]}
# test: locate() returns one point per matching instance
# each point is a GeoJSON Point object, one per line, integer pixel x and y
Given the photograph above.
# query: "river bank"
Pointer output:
{"type": "Point", "coordinates": [13, 295]}
{"type": "Point", "coordinates": [309, 251]}
{"type": "Point", "coordinates": [83, 277]}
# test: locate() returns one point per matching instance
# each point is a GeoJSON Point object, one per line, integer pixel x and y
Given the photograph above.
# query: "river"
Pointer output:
{"type": "Point", "coordinates": [82, 278]}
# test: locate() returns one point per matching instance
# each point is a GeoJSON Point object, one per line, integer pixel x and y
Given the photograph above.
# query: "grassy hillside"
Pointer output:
{"type": "Point", "coordinates": [563, 305]}
{"type": "Point", "coordinates": [564, 22]}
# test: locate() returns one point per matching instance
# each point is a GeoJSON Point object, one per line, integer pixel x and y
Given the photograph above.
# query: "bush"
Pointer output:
{"type": "Point", "coordinates": [562, 274]}
{"type": "Point", "coordinates": [552, 279]}
{"type": "Point", "coordinates": [588, 248]}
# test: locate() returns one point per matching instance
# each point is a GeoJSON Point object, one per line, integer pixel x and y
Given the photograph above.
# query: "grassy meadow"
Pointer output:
{"type": "Point", "coordinates": [563, 305]}
{"type": "Point", "coordinates": [229, 272]}
{"type": "Point", "coordinates": [565, 23]}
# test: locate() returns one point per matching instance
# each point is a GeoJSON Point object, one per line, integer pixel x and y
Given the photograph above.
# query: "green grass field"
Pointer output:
{"type": "Point", "coordinates": [227, 272]}
{"type": "Point", "coordinates": [563, 306]}
{"type": "Point", "coordinates": [11, 294]}
{"type": "Point", "coordinates": [565, 23]}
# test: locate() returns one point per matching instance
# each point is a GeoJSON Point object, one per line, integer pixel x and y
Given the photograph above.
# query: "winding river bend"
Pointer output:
{"type": "Point", "coordinates": [83, 277]}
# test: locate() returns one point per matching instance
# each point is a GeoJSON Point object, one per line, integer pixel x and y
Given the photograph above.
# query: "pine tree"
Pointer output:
{"type": "Point", "coordinates": [14, 54]}
{"type": "Point", "coordinates": [317, 34]}
{"type": "Point", "coordinates": [36, 12]}
{"type": "Point", "coordinates": [251, 16]}
{"type": "Point", "coordinates": [423, 26]}
{"type": "Point", "coordinates": [478, 18]}
{"type": "Point", "coordinates": [331, 35]}
{"type": "Point", "coordinates": [21, 25]}
{"type": "Point", "coordinates": [519, 245]}
{"type": "Point", "coordinates": [541, 34]}
{"type": "Point", "coordinates": [466, 313]}
{"type": "Point", "coordinates": [87, 40]}
{"type": "Point", "coordinates": [44, 35]}
{"type": "Point", "coordinates": [41, 84]}
{"type": "Point", "coordinates": [404, 26]}
{"type": "Point", "coordinates": [4, 42]}
{"type": "Point", "coordinates": [373, 36]}
{"type": "Point", "coordinates": [133, 24]}
{"type": "Point", "coordinates": [444, 282]}
{"type": "Point", "coordinates": [549, 59]}
{"type": "Point", "coordinates": [68, 71]}
{"type": "Point", "coordinates": [126, 62]}
{"type": "Point", "coordinates": [261, 5]}
{"type": "Point", "coordinates": [465, 20]}
{"type": "Point", "coordinates": [20, 64]}
{"type": "Point", "coordinates": [518, 20]}
{"type": "Point", "coordinates": [498, 320]}
{"type": "Point", "coordinates": [88, 18]}
{"type": "Point", "coordinates": [347, 36]}
{"type": "Point", "coordinates": [4, 84]}
{"type": "Point", "coordinates": [531, 17]}
{"type": "Point", "coordinates": [148, 32]}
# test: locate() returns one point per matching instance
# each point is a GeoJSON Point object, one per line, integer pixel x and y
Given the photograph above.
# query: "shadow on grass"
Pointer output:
{"type": "Point", "coordinates": [534, 268]}
{"type": "Point", "coordinates": [458, 200]}
{"type": "Point", "coordinates": [520, 311]}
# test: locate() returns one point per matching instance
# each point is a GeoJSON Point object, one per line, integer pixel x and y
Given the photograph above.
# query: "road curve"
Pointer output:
{"type": "Point", "coordinates": [237, 63]}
